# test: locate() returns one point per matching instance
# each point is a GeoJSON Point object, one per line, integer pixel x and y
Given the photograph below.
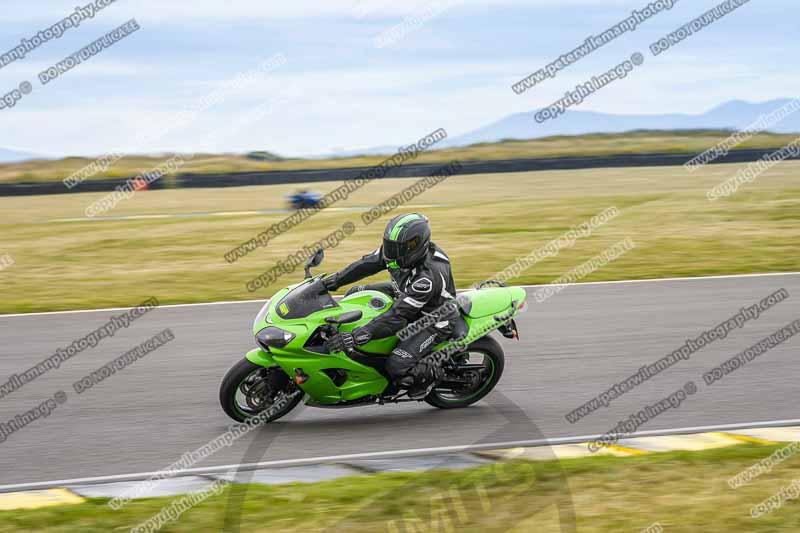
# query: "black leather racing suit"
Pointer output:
{"type": "Point", "coordinates": [421, 290]}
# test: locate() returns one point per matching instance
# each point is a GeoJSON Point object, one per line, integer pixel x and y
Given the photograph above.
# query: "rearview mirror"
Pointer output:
{"type": "Point", "coordinates": [314, 261]}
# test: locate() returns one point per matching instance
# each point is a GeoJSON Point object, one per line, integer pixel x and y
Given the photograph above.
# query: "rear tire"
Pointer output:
{"type": "Point", "coordinates": [495, 361]}
{"type": "Point", "coordinates": [236, 382]}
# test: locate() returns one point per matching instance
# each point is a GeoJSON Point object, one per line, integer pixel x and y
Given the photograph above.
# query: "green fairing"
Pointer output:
{"type": "Point", "coordinates": [260, 357]}
{"type": "Point", "coordinates": [362, 381]}
{"type": "Point", "coordinates": [492, 301]}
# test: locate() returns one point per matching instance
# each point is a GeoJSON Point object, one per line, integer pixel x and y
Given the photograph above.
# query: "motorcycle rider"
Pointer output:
{"type": "Point", "coordinates": [422, 282]}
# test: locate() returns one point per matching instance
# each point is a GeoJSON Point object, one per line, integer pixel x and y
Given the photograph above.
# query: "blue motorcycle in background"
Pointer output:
{"type": "Point", "coordinates": [304, 199]}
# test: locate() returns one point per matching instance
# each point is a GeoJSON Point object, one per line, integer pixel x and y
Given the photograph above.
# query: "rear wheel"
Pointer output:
{"type": "Point", "coordinates": [471, 376]}
{"type": "Point", "coordinates": [250, 390]}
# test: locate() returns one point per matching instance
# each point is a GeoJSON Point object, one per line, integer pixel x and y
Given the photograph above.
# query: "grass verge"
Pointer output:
{"type": "Point", "coordinates": [682, 491]}
{"type": "Point", "coordinates": [484, 222]}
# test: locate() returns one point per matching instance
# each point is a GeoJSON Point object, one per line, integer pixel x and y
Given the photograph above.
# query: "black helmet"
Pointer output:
{"type": "Point", "coordinates": [406, 240]}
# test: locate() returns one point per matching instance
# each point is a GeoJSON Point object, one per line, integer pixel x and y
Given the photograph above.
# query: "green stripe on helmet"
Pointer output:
{"type": "Point", "coordinates": [400, 223]}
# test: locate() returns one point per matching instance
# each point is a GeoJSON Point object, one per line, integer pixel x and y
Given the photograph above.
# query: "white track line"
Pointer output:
{"type": "Point", "coordinates": [214, 214]}
{"type": "Point", "coordinates": [583, 284]}
{"type": "Point", "coordinates": [141, 476]}
{"type": "Point", "coordinates": [168, 306]}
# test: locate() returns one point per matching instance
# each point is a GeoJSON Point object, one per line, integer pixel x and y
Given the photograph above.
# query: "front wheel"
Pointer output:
{"type": "Point", "coordinates": [249, 390]}
{"type": "Point", "coordinates": [472, 375]}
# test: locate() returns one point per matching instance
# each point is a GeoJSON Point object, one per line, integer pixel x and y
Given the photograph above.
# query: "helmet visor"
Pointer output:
{"type": "Point", "coordinates": [398, 252]}
{"type": "Point", "coordinates": [391, 250]}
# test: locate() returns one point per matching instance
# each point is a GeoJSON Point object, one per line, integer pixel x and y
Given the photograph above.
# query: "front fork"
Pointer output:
{"type": "Point", "coordinates": [273, 382]}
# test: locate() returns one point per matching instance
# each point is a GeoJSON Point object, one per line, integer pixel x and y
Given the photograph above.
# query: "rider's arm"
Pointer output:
{"type": "Point", "coordinates": [366, 266]}
{"type": "Point", "coordinates": [407, 307]}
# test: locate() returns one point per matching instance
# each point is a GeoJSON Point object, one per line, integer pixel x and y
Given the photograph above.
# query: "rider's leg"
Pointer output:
{"type": "Point", "coordinates": [404, 365]}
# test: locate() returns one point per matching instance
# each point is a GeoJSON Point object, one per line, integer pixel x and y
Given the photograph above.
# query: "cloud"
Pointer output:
{"type": "Point", "coordinates": [455, 73]}
{"type": "Point", "coordinates": [218, 10]}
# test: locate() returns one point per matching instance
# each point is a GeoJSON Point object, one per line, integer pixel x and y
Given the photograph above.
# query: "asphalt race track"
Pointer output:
{"type": "Point", "coordinates": [573, 346]}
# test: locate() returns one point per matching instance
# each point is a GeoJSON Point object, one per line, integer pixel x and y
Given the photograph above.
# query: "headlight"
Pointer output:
{"type": "Point", "coordinates": [275, 337]}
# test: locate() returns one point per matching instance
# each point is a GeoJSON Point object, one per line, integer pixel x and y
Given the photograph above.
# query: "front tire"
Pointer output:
{"type": "Point", "coordinates": [493, 363]}
{"type": "Point", "coordinates": [248, 389]}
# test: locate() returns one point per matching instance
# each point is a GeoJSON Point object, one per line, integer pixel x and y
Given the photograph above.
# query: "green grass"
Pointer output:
{"type": "Point", "coordinates": [562, 145]}
{"type": "Point", "coordinates": [483, 221]}
{"type": "Point", "coordinates": [683, 491]}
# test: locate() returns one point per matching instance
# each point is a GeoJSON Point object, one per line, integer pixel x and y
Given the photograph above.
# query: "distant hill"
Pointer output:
{"type": "Point", "coordinates": [375, 150]}
{"type": "Point", "coordinates": [733, 115]}
{"type": "Point", "coordinates": [12, 156]}
{"type": "Point", "coordinates": [263, 155]}
{"type": "Point", "coordinates": [730, 116]}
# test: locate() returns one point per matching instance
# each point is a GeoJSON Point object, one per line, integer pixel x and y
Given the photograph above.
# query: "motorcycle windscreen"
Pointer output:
{"type": "Point", "coordinates": [304, 300]}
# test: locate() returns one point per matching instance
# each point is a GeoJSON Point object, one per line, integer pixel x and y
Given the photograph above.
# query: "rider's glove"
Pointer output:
{"type": "Point", "coordinates": [344, 342]}
{"type": "Point", "coordinates": [341, 342]}
{"type": "Point", "coordinates": [330, 283]}
{"type": "Point", "coordinates": [361, 335]}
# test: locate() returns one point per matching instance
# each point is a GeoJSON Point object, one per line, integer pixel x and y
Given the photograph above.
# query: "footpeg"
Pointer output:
{"type": "Point", "coordinates": [421, 393]}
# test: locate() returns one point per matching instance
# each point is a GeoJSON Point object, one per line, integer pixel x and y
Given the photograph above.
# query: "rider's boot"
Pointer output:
{"type": "Point", "coordinates": [422, 379]}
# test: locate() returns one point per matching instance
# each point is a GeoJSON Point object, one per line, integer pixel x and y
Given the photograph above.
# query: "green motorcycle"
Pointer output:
{"type": "Point", "coordinates": [292, 361]}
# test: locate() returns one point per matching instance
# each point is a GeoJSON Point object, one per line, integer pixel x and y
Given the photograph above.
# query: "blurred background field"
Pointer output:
{"type": "Point", "coordinates": [65, 261]}
{"type": "Point", "coordinates": [563, 145]}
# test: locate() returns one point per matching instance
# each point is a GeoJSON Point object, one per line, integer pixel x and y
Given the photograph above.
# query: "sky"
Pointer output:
{"type": "Point", "coordinates": [318, 76]}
